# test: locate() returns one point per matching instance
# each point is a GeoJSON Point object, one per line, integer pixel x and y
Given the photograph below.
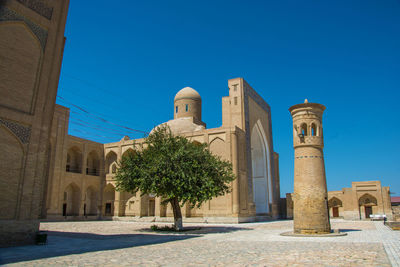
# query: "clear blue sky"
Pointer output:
{"type": "Point", "coordinates": [125, 60]}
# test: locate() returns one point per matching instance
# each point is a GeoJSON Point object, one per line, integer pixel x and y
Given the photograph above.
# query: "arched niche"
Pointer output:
{"type": "Point", "coordinates": [92, 196]}
{"type": "Point", "coordinates": [72, 200]}
{"type": "Point", "coordinates": [111, 160]}
{"type": "Point", "coordinates": [74, 160]}
{"type": "Point", "coordinates": [367, 200]}
{"type": "Point", "coordinates": [18, 77]}
{"type": "Point", "coordinates": [11, 158]}
{"type": "Point", "coordinates": [261, 170]}
{"type": "Point", "coordinates": [217, 147]}
{"type": "Point", "coordinates": [128, 152]}
{"type": "Point", "coordinates": [108, 199]}
{"type": "Point", "coordinates": [93, 163]}
{"type": "Point", "coordinates": [334, 202]}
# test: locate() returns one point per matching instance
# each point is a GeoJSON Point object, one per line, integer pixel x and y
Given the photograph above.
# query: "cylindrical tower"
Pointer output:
{"type": "Point", "coordinates": [310, 192]}
{"type": "Point", "coordinates": [187, 103]}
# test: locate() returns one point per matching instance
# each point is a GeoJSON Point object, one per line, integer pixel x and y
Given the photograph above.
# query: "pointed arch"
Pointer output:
{"type": "Point", "coordinates": [72, 199]}
{"type": "Point", "coordinates": [217, 147]}
{"type": "Point", "coordinates": [108, 199]}
{"type": "Point", "coordinates": [367, 200]}
{"type": "Point", "coordinates": [313, 129]}
{"type": "Point", "coordinates": [261, 169]}
{"type": "Point", "coordinates": [127, 152]}
{"type": "Point", "coordinates": [111, 159]}
{"type": "Point", "coordinates": [335, 202]}
{"type": "Point", "coordinates": [303, 129]}
{"type": "Point", "coordinates": [74, 160]}
{"type": "Point", "coordinates": [92, 197]}
{"type": "Point", "coordinates": [93, 163]}
{"type": "Point", "coordinates": [11, 161]}
{"type": "Point", "coordinates": [22, 75]}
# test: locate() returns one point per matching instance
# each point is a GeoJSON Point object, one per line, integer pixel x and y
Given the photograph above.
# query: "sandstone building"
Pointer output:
{"type": "Point", "coordinates": [31, 48]}
{"type": "Point", "coordinates": [355, 203]}
{"type": "Point", "coordinates": [82, 172]}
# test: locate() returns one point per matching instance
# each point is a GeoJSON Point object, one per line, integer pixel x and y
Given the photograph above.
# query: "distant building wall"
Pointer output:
{"type": "Point", "coordinates": [357, 202]}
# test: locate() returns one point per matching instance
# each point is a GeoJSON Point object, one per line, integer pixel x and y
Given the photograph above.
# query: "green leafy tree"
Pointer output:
{"type": "Point", "coordinates": [175, 169]}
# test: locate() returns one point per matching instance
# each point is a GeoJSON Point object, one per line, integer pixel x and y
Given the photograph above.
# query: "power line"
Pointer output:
{"type": "Point", "coordinates": [100, 118]}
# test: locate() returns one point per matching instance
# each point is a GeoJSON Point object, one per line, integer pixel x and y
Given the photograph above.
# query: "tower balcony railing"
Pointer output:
{"type": "Point", "coordinates": [308, 140]}
{"type": "Point", "coordinates": [93, 172]}
{"type": "Point", "coordinates": [73, 169]}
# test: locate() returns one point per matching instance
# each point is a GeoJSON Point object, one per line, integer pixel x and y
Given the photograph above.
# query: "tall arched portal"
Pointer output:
{"type": "Point", "coordinates": [260, 170]}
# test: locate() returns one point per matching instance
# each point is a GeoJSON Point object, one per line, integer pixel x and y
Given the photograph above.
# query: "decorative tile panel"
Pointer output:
{"type": "Point", "coordinates": [22, 132]}
{"type": "Point", "coordinates": [39, 7]}
{"type": "Point", "coordinates": [10, 15]}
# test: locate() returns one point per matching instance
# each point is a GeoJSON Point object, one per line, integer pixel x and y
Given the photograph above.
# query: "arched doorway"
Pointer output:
{"type": "Point", "coordinates": [334, 204]}
{"type": "Point", "coordinates": [72, 199]}
{"type": "Point", "coordinates": [108, 199]}
{"type": "Point", "coordinates": [91, 201]}
{"type": "Point", "coordinates": [262, 194]}
{"type": "Point", "coordinates": [366, 203]}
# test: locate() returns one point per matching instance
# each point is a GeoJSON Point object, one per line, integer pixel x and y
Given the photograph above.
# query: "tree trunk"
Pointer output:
{"type": "Point", "coordinates": [177, 214]}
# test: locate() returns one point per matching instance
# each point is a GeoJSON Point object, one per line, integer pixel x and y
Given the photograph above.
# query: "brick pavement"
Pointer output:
{"type": "Point", "coordinates": [391, 243]}
{"type": "Point", "coordinates": [256, 244]}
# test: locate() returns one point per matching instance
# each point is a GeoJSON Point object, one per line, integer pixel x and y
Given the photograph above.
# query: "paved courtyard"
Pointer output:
{"type": "Point", "coordinates": [112, 243]}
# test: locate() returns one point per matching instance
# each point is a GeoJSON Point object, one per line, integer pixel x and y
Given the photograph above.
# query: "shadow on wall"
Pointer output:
{"type": "Point", "coordinates": [67, 243]}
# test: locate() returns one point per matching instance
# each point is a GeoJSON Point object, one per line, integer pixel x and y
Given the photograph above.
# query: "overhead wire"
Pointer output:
{"type": "Point", "coordinates": [117, 129]}
{"type": "Point", "coordinates": [100, 118]}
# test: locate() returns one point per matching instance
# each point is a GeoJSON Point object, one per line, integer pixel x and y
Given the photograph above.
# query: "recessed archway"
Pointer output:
{"type": "Point", "coordinates": [108, 200]}
{"type": "Point", "coordinates": [74, 160]}
{"type": "Point", "coordinates": [261, 173]}
{"type": "Point", "coordinates": [91, 201]}
{"type": "Point", "coordinates": [93, 164]}
{"type": "Point", "coordinates": [111, 160]}
{"type": "Point", "coordinates": [72, 199]}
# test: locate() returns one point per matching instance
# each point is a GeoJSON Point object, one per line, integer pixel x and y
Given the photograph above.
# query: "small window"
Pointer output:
{"type": "Point", "coordinates": [235, 100]}
{"type": "Point", "coordinates": [304, 129]}
{"type": "Point", "coordinates": [65, 196]}
{"type": "Point", "coordinates": [176, 109]}
{"type": "Point", "coordinates": [313, 130]}
{"type": "Point", "coordinates": [187, 107]}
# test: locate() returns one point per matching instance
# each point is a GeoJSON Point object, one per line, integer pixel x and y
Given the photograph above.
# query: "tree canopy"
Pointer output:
{"type": "Point", "coordinates": [175, 169]}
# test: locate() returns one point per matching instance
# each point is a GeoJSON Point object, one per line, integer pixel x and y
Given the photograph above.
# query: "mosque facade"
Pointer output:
{"type": "Point", "coordinates": [82, 184]}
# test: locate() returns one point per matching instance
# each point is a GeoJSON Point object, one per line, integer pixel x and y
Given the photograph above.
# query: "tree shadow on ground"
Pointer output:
{"type": "Point", "coordinates": [199, 230]}
{"type": "Point", "coordinates": [67, 243]}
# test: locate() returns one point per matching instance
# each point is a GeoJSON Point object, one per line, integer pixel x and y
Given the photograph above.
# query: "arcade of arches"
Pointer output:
{"type": "Point", "coordinates": [356, 203]}
{"type": "Point", "coordinates": [82, 172]}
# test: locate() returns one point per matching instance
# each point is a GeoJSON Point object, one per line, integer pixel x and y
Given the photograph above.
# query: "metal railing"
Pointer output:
{"type": "Point", "coordinates": [73, 169]}
{"type": "Point", "coordinates": [94, 172]}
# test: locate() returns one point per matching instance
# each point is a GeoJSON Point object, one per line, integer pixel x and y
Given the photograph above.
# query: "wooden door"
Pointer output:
{"type": "Point", "coordinates": [368, 211]}
{"type": "Point", "coordinates": [65, 209]}
{"type": "Point", "coordinates": [335, 211]}
{"type": "Point", "coordinates": [108, 209]}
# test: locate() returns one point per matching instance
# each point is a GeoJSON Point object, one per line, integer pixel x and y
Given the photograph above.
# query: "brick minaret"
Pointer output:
{"type": "Point", "coordinates": [310, 192]}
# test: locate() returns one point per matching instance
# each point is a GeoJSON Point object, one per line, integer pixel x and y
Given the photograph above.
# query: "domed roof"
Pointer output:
{"type": "Point", "coordinates": [188, 93]}
{"type": "Point", "coordinates": [182, 125]}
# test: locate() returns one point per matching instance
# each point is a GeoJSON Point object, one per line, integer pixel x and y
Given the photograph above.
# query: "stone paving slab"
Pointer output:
{"type": "Point", "coordinates": [256, 244]}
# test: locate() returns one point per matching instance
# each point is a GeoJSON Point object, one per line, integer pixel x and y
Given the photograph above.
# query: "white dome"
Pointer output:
{"type": "Point", "coordinates": [182, 125]}
{"type": "Point", "coordinates": [187, 93]}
